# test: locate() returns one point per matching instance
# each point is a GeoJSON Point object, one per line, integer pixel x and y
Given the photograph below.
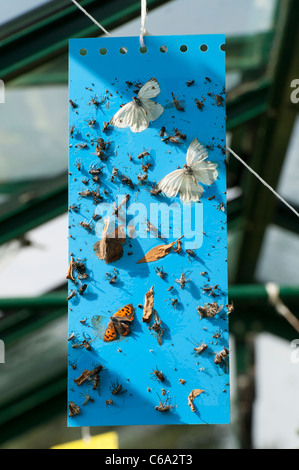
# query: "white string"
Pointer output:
{"type": "Point", "coordinates": [274, 299]}
{"type": "Point", "coordinates": [91, 18]}
{"type": "Point", "coordinates": [263, 182]}
{"type": "Point", "coordinates": [143, 31]}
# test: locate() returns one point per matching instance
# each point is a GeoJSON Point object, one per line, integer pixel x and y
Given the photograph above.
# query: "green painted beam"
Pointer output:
{"type": "Point", "coordinates": [271, 145]}
{"type": "Point", "coordinates": [32, 206]}
{"type": "Point", "coordinates": [47, 37]}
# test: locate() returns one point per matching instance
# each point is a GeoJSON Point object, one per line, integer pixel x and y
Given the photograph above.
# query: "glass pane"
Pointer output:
{"type": "Point", "coordinates": [33, 133]}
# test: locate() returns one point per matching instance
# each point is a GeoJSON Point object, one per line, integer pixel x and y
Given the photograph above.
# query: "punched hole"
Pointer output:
{"type": "Point", "coordinates": [204, 48]}
{"type": "Point", "coordinates": [163, 49]}
{"type": "Point", "coordinates": [183, 48]}
{"type": "Point", "coordinates": [223, 47]}
{"type": "Point", "coordinates": [83, 51]}
{"type": "Point", "coordinates": [103, 51]}
{"type": "Point", "coordinates": [143, 49]}
{"type": "Point", "coordinates": [123, 50]}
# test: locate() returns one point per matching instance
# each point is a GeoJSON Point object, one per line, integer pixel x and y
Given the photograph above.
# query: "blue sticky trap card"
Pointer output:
{"type": "Point", "coordinates": [148, 313]}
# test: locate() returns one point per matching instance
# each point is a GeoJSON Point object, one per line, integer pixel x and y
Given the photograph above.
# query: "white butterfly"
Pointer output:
{"type": "Point", "coordinates": [138, 113]}
{"type": "Point", "coordinates": [185, 181]}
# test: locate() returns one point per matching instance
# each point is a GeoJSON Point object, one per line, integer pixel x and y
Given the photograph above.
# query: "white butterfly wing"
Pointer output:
{"type": "Point", "coordinates": [151, 89]}
{"type": "Point", "coordinates": [206, 172]}
{"type": "Point", "coordinates": [131, 115]}
{"type": "Point", "coordinates": [196, 153]}
{"type": "Point", "coordinates": [203, 170]}
{"type": "Point", "coordinates": [171, 183]}
{"type": "Point", "coordinates": [190, 191]}
{"type": "Point", "coordinates": [153, 110]}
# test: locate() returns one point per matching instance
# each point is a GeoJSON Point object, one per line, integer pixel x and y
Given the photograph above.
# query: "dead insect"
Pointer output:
{"type": "Point", "coordinates": [221, 207]}
{"type": "Point", "coordinates": [182, 281]}
{"type": "Point", "coordinates": [83, 321]}
{"type": "Point", "coordinates": [162, 131]}
{"type": "Point", "coordinates": [86, 226]}
{"type": "Point", "coordinates": [155, 231]}
{"type": "Point", "coordinates": [191, 253]}
{"type": "Point", "coordinates": [95, 170]}
{"type": "Point", "coordinates": [114, 173]}
{"type": "Point", "coordinates": [85, 193]}
{"type": "Point", "coordinates": [199, 349]}
{"type": "Point", "coordinates": [221, 356]}
{"type": "Point", "coordinates": [170, 288]}
{"type": "Point", "coordinates": [105, 126]}
{"type": "Point", "coordinates": [71, 336]}
{"type": "Point", "coordinates": [95, 102]}
{"type": "Point", "coordinates": [91, 123]}
{"type": "Point", "coordinates": [74, 208]}
{"type": "Point", "coordinates": [154, 191]}
{"type": "Point", "coordinates": [199, 104]}
{"type": "Point", "coordinates": [164, 406]}
{"type": "Point", "coordinates": [158, 375]}
{"type": "Point", "coordinates": [127, 181]}
{"type": "Point", "coordinates": [160, 272]}
{"type": "Point", "coordinates": [219, 100]}
{"type": "Point", "coordinates": [82, 289]}
{"type": "Point", "coordinates": [190, 82]}
{"type": "Point", "coordinates": [71, 294]}
{"type": "Point", "coordinates": [73, 104]}
{"type": "Point", "coordinates": [146, 166]}
{"type": "Point", "coordinates": [157, 328]}
{"type": "Point", "coordinates": [88, 375]}
{"type": "Point", "coordinates": [209, 310]}
{"type": "Point", "coordinates": [112, 277]}
{"type": "Point", "coordinates": [208, 79]}
{"type": "Point", "coordinates": [178, 104]}
{"type": "Point", "coordinates": [117, 389]}
{"type": "Point", "coordinates": [96, 217]}
{"type": "Point", "coordinates": [217, 334]}
{"type": "Point", "coordinates": [109, 402]}
{"type": "Point", "coordinates": [230, 308]}
{"type": "Point", "coordinates": [87, 399]}
{"type": "Point", "coordinates": [211, 289]}
{"type": "Point", "coordinates": [73, 409]}
{"type": "Point", "coordinates": [174, 302]}
{"type": "Point", "coordinates": [78, 164]}
{"type": "Point", "coordinates": [182, 381]}
{"type": "Point", "coordinates": [85, 181]}
{"type": "Point", "coordinates": [96, 381]}
{"type": "Point", "coordinates": [142, 178]}
{"type": "Point", "coordinates": [102, 144]}
{"type": "Point", "coordinates": [142, 155]}
{"type": "Point", "coordinates": [81, 146]}
{"type": "Point", "coordinates": [177, 133]}
{"type": "Point", "coordinates": [72, 128]}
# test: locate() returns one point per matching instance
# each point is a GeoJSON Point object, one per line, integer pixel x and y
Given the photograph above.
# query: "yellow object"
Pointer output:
{"type": "Point", "coordinates": [108, 440]}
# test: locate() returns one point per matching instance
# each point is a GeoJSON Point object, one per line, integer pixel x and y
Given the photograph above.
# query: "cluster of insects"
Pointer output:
{"type": "Point", "coordinates": [101, 180]}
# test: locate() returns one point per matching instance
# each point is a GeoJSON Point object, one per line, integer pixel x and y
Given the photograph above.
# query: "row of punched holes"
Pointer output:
{"type": "Point", "coordinates": [143, 50]}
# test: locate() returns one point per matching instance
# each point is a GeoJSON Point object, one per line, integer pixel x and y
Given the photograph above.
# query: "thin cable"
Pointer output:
{"type": "Point", "coordinates": [143, 31]}
{"type": "Point", "coordinates": [274, 299]}
{"type": "Point", "coordinates": [263, 182]}
{"type": "Point", "coordinates": [91, 18]}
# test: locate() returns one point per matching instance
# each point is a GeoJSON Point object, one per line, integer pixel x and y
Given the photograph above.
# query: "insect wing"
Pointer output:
{"type": "Point", "coordinates": [171, 183]}
{"type": "Point", "coordinates": [196, 153]}
{"type": "Point", "coordinates": [189, 190]}
{"type": "Point", "coordinates": [125, 314]}
{"type": "Point", "coordinates": [153, 110]}
{"type": "Point", "coordinates": [151, 89]}
{"type": "Point", "coordinates": [110, 333]}
{"type": "Point", "coordinates": [206, 172]}
{"type": "Point", "coordinates": [122, 328]}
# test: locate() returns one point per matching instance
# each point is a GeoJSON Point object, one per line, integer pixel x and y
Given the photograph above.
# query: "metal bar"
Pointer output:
{"type": "Point", "coordinates": [271, 145]}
